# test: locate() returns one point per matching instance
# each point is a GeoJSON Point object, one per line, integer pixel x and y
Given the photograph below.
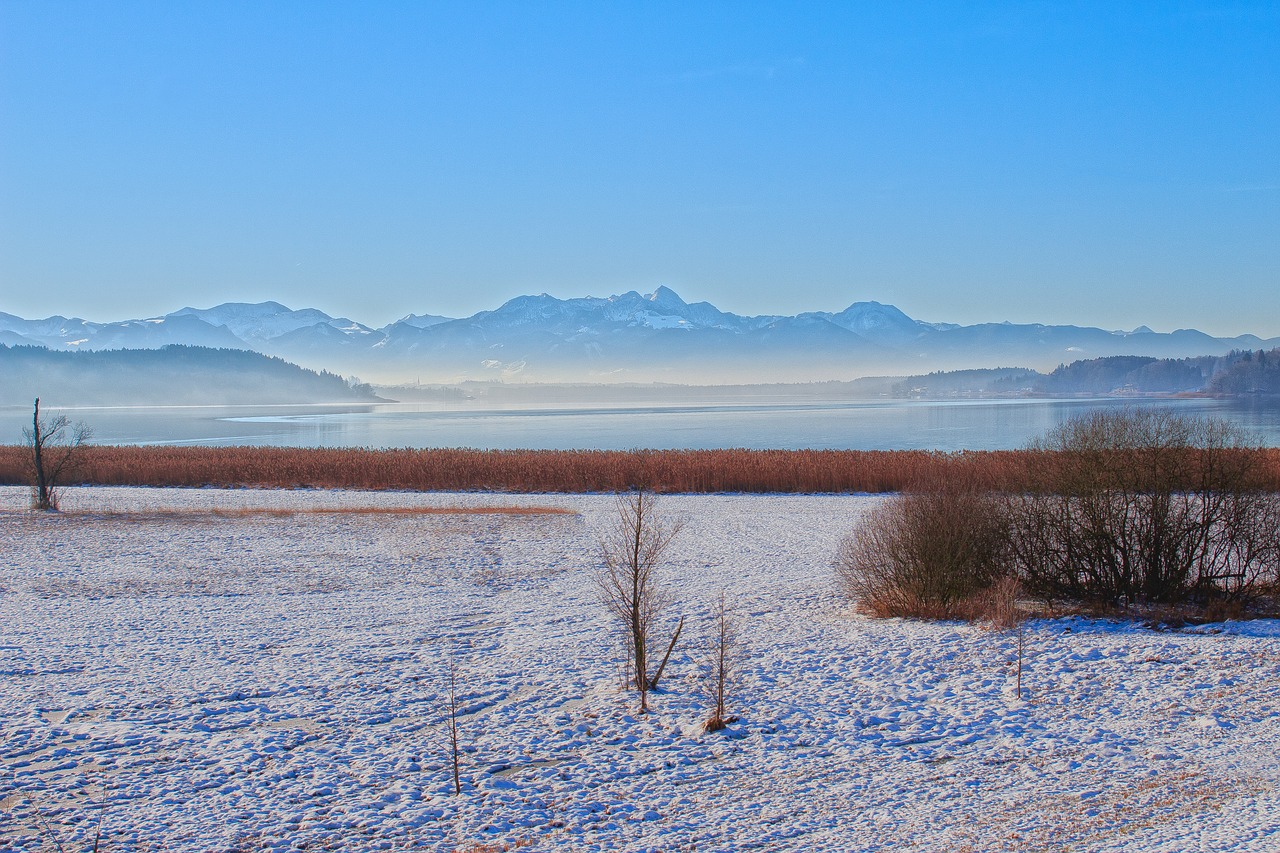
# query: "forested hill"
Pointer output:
{"type": "Point", "coordinates": [172, 375]}
{"type": "Point", "coordinates": [1251, 373]}
{"type": "Point", "coordinates": [1239, 372]}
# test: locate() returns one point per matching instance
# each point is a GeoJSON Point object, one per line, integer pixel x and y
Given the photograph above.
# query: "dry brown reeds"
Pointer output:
{"type": "Point", "coordinates": [570, 471]}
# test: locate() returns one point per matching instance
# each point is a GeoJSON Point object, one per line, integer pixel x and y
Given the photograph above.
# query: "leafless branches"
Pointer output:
{"type": "Point", "coordinates": [720, 670]}
{"type": "Point", "coordinates": [1136, 507]}
{"type": "Point", "coordinates": [934, 552]}
{"type": "Point", "coordinates": [632, 550]}
{"type": "Point", "coordinates": [452, 725]}
{"type": "Point", "coordinates": [1149, 507]}
{"type": "Point", "coordinates": [445, 734]}
{"type": "Point", "coordinates": [55, 450]}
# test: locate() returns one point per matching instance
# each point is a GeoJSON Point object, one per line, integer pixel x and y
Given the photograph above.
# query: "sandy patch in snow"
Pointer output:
{"type": "Point", "coordinates": [234, 676]}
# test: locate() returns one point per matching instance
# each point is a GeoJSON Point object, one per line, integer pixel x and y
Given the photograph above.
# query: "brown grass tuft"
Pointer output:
{"type": "Point", "coordinates": [275, 512]}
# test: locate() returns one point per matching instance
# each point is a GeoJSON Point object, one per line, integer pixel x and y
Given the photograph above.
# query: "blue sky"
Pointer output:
{"type": "Point", "coordinates": [1104, 164]}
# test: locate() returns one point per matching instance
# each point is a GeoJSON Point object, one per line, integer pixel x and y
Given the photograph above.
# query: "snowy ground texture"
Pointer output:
{"type": "Point", "coordinates": [259, 681]}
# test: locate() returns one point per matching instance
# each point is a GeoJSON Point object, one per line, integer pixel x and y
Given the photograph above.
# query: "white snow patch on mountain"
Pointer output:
{"type": "Point", "coordinates": [264, 321]}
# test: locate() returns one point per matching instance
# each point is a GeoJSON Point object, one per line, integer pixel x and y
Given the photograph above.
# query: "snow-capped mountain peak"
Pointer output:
{"type": "Point", "coordinates": [422, 321]}
{"type": "Point", "coordinates": [264, 321]}
{"type": "Point", "coordinates": [667, 299]}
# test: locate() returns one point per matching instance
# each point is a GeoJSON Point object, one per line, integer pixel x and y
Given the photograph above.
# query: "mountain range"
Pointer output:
{"type": "Point", "coordinates": [631, 337]}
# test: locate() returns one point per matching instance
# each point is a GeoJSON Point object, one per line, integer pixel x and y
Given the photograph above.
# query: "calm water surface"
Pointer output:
{"type": "Point", "coordinates": [898, 424]}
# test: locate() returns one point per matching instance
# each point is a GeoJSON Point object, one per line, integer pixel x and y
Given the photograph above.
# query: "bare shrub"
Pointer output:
{"type": "Point", "coordinates": [1147, 507]}
{"type": "Point", "coordinates": [931, 553]}
{"type": "Point", "coordinates": [448, 736]}
{"type": "Point", "coordinates": [720, 669]}
{"type": "Point", "coordinates": [630, 582]}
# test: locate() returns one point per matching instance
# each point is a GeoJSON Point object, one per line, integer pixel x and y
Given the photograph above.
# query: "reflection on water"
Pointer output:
{"type": "Point", "coordinates": [951, 425]}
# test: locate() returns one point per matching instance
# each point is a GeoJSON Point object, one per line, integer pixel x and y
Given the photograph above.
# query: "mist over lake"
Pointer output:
{"type": "Point", "coordinates": [863, 425]}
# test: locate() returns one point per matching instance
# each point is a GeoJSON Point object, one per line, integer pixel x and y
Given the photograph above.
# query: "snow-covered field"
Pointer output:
{"type": "Point", "coordinates": [248, 681]}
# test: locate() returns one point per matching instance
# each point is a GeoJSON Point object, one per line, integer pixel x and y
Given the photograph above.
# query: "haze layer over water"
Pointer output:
{"type": "Point", "coordinates": [889, 425]}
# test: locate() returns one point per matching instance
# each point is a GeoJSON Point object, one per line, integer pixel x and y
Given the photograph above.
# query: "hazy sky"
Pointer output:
{"type": "Point", "coordinates": [1105, 163]}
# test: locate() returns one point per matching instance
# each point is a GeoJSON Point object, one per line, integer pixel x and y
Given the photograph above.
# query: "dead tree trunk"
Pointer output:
{"type": "Point", "coordinates": [55, 451]}
{"type": "Point", "coordinates": [42, 497]}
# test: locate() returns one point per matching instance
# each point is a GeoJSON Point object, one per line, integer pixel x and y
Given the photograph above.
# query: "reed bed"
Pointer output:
{"type": "Point", "coordinates": [562, 471]}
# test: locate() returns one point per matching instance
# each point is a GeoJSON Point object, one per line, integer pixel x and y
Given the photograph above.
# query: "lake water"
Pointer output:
{"type": "Point", "coordinates": [897, 424]}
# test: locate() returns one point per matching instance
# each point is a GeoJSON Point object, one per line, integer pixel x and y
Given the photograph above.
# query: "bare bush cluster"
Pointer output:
{"type": "Point", "coordinates": [633, 588]}
{"type": "Point", "coordinates": [1147, 507]}
{"type": "Point", "coordinates": [932, 552]}
{"type": "Point", "coordinates": [1129, 507]}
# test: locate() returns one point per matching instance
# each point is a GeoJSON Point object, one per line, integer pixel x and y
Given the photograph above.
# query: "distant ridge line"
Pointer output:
{"type": "Point", "coordinates": [628, 337]}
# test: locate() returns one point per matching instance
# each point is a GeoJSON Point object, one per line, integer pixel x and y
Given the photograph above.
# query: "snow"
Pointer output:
{"type": "Point", "coordinates": [662, 321]}
{"type": "Point", "coordinates": [265, 321]}
{"type": "Point", "coordinates": [233, 674]}
{"type": "Point", "coordinates": [665, 297]}
{"type": "Point", "coordinates": [420, 321]}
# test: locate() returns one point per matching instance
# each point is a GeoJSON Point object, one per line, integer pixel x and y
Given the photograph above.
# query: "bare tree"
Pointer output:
{"type": "Point", "coordinates": [629, 578]}
{"type": "Point", "coordinates": [55, 451]}
{"type": "Point", "coordinates": [454, 755]}
{"type": "Point", "coordinates": [445, 734]}
{"type": "Point", "coordinates": [720, 667]}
